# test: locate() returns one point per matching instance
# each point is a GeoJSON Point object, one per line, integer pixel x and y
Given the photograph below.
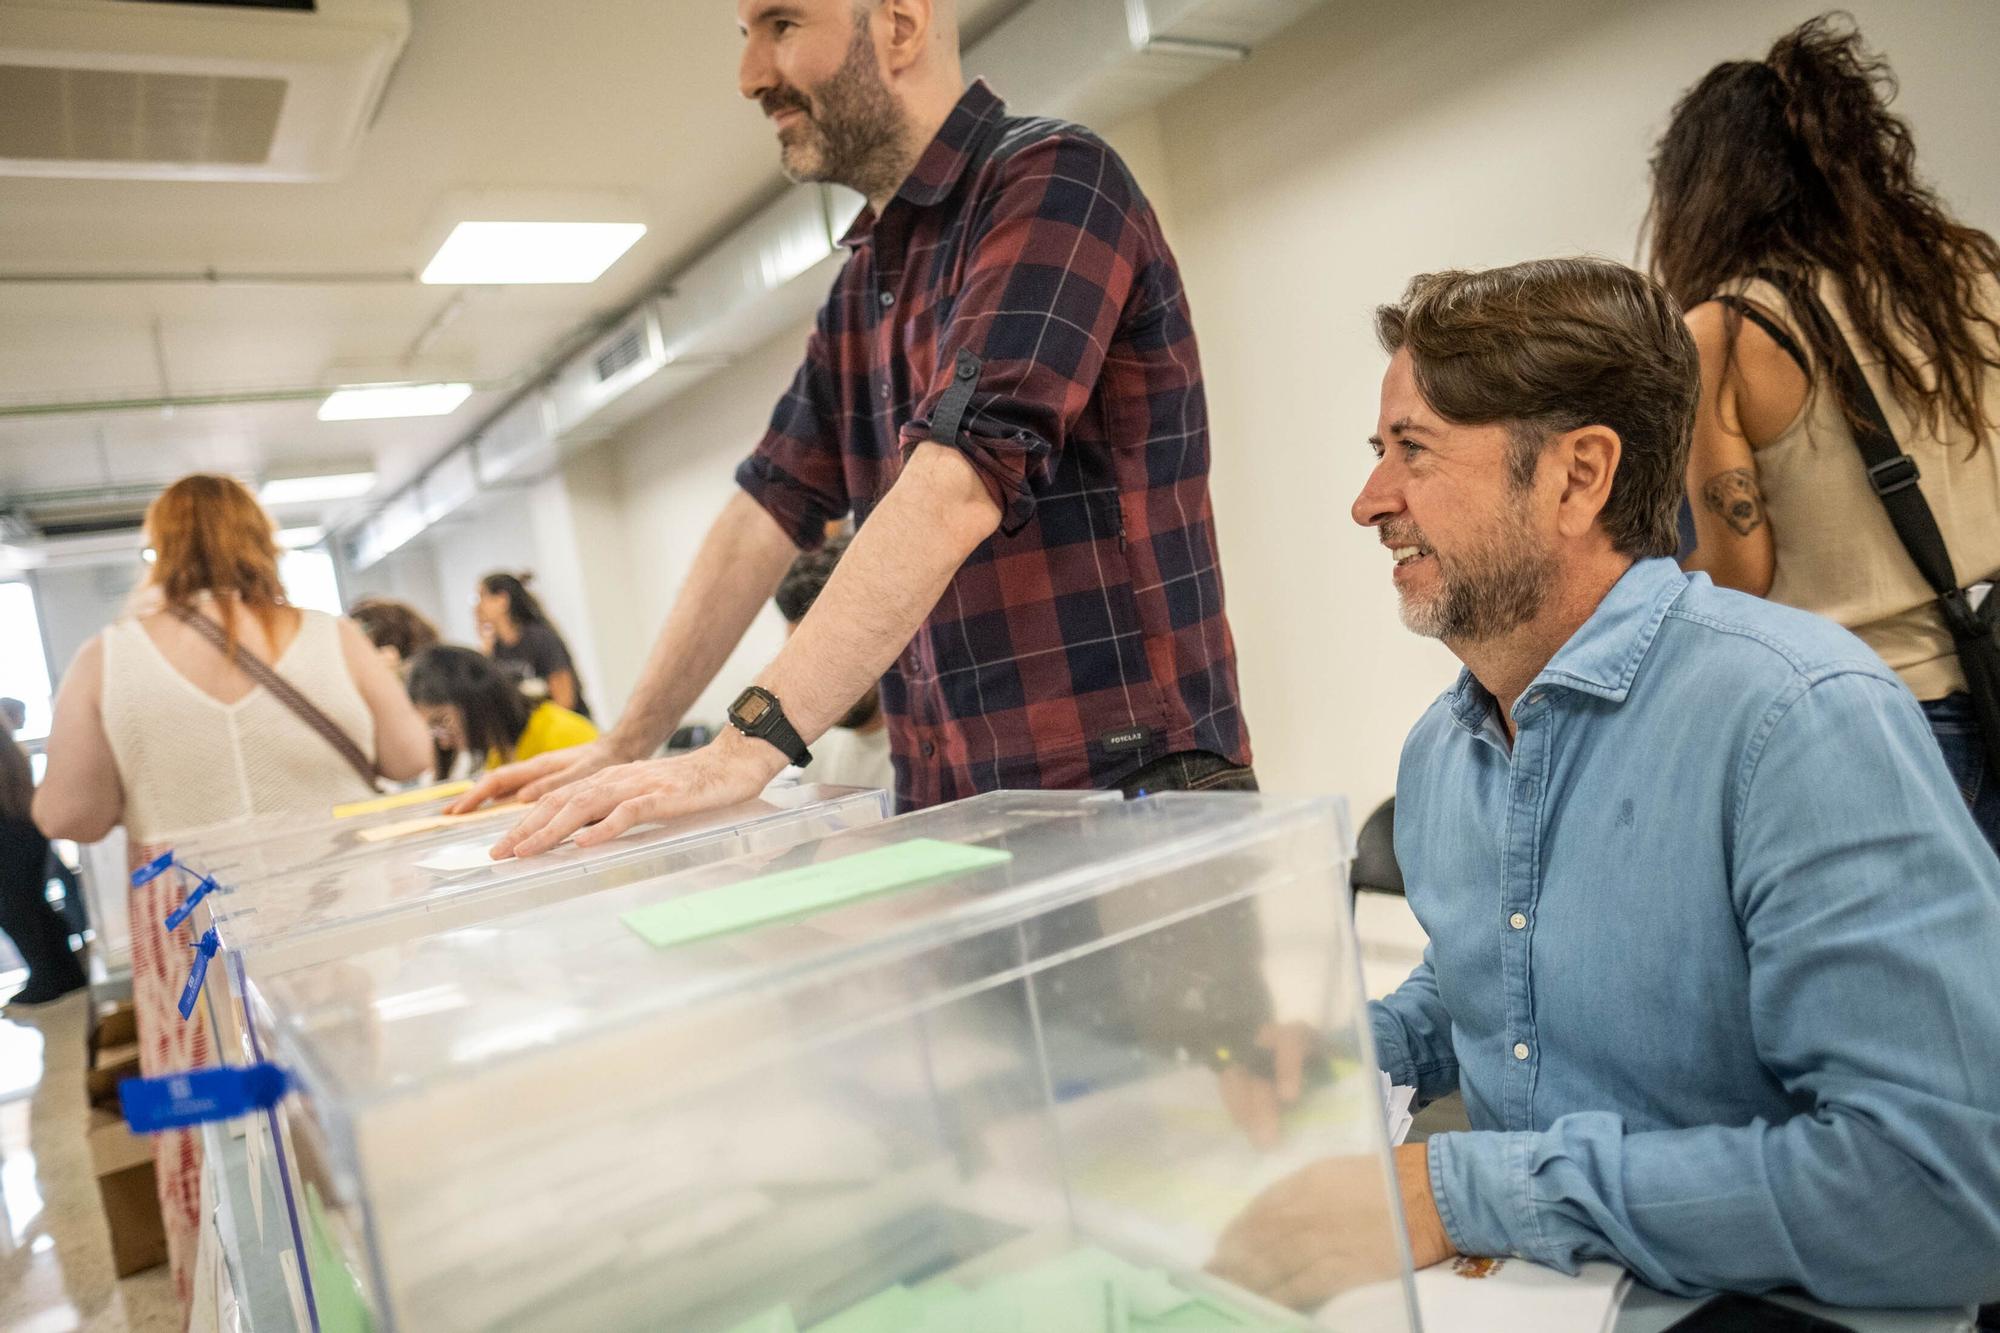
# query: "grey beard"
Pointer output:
{"type": "Point", "coordinates": [1502, 588]}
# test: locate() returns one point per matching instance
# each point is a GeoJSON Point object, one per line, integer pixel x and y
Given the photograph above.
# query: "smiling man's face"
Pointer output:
{"type": "Point", "coordinates": [1473, 549]}
{"type": "Point", "coordinates": [812, 66]}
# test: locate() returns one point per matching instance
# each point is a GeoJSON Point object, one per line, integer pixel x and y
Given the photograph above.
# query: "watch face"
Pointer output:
{"type": "Point", "coordinates": [750, 711]}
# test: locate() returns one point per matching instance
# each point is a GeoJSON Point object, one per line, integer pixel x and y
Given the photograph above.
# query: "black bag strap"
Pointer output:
{"type": "Point", "coordinates": [283, 691]}
{"type": "Point", "coordinates": [1891, 472]}
{"type": "Point", "coordinates": [1771, 326]}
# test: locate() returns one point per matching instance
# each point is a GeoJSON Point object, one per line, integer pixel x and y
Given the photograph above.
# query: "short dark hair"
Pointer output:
{"type": "Point", "coordinates": [1554, 345]}
{"type": "Point", "coordinates": [495, 710]}
{"type": "Point", "coordinates": [392, 624]}
{"type": "Point", "coordinates": [806, 579]}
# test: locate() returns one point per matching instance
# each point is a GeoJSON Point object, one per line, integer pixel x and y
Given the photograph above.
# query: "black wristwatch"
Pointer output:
{"type": "Point", "coordinates": [758, 715]}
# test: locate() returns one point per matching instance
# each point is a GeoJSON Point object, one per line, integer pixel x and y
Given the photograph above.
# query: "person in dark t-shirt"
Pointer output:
{"type": "Point", "coordinates": [523, 641]}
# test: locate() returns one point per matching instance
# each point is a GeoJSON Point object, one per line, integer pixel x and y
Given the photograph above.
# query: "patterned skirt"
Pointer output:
{"type": "Point", "coordinates": [169, 1044]}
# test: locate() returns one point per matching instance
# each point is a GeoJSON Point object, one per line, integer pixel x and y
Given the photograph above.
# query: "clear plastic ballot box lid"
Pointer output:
{"type": "Point", "coordinates": [347, 903]}
{"type": "Point", "coordinates": [257, 847]}
{"type": "Point", "coordinates": [967, 1068]}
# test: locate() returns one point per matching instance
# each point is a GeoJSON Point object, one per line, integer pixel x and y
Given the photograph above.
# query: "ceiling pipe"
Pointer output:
{"type": "Point", "coordinates": [211, 277]}
{"type": "Point", "coordinates": [234, 398]}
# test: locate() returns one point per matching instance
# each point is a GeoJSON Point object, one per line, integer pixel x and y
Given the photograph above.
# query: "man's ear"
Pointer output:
{"type": "Point", "coordinates": [908, 33]}
{"type": "Point", "coordinates": [1589, 458]}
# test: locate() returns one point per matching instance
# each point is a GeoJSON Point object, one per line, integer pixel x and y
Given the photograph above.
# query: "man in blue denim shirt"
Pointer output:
{"type": "Point", "coordinates": [1714, 940]}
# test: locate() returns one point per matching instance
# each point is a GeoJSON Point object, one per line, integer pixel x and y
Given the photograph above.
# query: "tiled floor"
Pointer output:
{"type": "Point", "coordinates": [55, 1257]}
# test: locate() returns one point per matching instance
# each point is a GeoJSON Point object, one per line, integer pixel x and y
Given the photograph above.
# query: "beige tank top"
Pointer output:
{"type": "Point", "coordinates": [1837, 553]}
{"type": "Point", "coordinates": [187, 760]}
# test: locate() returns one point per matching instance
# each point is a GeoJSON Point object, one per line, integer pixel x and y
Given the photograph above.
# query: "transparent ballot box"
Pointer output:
{"type": "Point", "coordinates": [398, 889]}
{"type": "Point", "coordinates": [970, 1068]}
{"type": "Point", "coordinates": [257, 847]}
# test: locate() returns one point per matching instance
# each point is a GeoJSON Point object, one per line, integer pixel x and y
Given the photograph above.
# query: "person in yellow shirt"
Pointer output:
{"type": "Point", "coordinates": [471, 705]}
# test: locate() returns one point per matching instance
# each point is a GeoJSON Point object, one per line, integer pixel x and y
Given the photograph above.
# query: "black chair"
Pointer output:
{"type": "Point", "coordinates": [1375, 869]}
{"type": "Point", "coordinates": [688, 738]}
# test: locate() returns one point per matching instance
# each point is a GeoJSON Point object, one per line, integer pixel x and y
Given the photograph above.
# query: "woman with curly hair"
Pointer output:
{"type": "Point", "coordinates": [1789, 221]}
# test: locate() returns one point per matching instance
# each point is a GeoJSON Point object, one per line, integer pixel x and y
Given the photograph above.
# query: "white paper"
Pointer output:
{"type": "Point", "coordinates": [459, 857]}
{"type": "Point", "coordinates": [1396, 1102]}
{"type": "Point", "coordinates": [1515, 1296]}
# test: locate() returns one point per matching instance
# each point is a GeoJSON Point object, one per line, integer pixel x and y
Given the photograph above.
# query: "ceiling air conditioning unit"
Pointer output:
{"type": "Point", "coordinates": [262, 90]}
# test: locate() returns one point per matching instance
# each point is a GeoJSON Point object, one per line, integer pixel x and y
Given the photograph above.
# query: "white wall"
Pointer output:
{"type": "Point", "coordinates": [675, 470]}
{"type": "Point", "coordinates": [1372, 141]}
{"type": "Point", "coordinates": [75, 602]}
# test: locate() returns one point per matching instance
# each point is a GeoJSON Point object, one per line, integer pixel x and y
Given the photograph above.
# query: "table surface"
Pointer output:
{"type": "Point", "coordinates": [1648, 1311]}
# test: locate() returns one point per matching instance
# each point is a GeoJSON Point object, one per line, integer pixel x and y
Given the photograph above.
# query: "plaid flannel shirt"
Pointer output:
{"type": "Point", "coordinates": [1016, 301]}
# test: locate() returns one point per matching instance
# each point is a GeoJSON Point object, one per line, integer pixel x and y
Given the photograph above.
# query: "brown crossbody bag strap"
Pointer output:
{"type": "Point", "coordinates": [281, 690]}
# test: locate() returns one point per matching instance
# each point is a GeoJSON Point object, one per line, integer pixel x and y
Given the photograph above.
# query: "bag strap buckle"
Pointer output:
{"type": "Point", "coordinates": [1893, 474]}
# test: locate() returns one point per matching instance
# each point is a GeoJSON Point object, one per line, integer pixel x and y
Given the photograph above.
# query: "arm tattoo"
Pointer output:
{"type": "Point", "coordinates": [1734, 497]}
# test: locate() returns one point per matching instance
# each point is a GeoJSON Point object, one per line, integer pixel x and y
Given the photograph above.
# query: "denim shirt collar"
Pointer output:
{"type": "Point", "coordinates": [1603, 656]}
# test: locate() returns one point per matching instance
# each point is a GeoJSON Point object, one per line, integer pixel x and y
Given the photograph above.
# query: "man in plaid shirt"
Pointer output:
{"type": "Point", "coordinates": [1004, 392]}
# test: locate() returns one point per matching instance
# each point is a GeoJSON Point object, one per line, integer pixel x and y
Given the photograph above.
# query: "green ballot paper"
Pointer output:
{"type": "Point", "coordinates": [790, 894]}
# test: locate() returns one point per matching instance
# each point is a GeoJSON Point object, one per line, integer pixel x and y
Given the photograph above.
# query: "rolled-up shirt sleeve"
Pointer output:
{"type": "Point", "coordinates": [1870, 908]}
{"type": "Point", "coordinates": [1055, 254]}
{"type": "Point", "coordinates": [795, 473]}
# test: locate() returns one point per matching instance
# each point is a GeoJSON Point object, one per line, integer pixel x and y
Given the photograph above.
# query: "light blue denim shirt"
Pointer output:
{"type": "Point", "coordinates": [1715, 958]}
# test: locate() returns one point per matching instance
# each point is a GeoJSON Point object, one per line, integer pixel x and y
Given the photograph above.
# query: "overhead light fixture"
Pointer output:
{"type": "Point", "coordinates": [298, 538]}
{"type": "Point", "coordinates": [492, 253]}
{"type": "Point", "coordinates": [371, 402]}
{"type": "Point", "coordinates": [315, 490]}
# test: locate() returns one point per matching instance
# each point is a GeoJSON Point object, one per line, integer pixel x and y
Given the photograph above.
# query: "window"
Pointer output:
{"type": "Point", "coordinates": [24, 670]}
{"type": "Point", "coordinates": [309, 580]}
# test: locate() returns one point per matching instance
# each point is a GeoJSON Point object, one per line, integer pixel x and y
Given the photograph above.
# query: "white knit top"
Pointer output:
{"type": "Point", "coordinates": [187, 760]}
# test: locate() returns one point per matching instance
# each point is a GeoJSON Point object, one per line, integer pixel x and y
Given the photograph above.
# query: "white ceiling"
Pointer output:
{"type": "Point", "coordinates": [629, 104]}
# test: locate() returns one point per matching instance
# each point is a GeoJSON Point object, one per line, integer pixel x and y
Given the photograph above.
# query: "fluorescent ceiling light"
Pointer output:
{"type": "Point", "coordinates": [478, 253]}
{"type": "Point", "coordinates": [297, 538]}
{"type": "Point", "coordinates": [370, 402]}
{"type": "Point", "coordinates": [311, 490]}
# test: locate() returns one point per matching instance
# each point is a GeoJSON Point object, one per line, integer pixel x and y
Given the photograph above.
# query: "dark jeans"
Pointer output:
{"type": "Point", "coordinates": [1191, 770]}
{"type": "Point", "coordinates": [1957, 730]}
{"type": "Point", "coordinates": [74, 914]}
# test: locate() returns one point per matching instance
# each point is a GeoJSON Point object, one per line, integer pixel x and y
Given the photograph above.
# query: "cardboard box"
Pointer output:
{"type": "Point", "coordinates": [123, 1163]}
{"type": "Point", "coordinates": [109, 1066]}
{"type": "Point", "coordinates": [113, 1054]}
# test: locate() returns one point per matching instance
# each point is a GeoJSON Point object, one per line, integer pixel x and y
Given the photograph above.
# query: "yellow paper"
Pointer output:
{"type": "Point", "coordinates": [430, 823]}
{"type": "Point", "coordinates": [397, 800]}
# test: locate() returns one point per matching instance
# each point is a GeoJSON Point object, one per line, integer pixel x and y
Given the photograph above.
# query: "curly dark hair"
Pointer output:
{"type": "Point", "coordinates": [1794, 163]}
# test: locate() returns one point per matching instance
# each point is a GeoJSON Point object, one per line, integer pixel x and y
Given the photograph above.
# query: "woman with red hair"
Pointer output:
{"type": "Point", "coordinates": [214, 700]}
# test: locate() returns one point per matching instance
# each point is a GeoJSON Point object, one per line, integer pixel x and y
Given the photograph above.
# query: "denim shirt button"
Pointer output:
{"type": "Point", "coordinates": [1520, 1050]}
{"type": "Point", "coordinates": [1518, 921]}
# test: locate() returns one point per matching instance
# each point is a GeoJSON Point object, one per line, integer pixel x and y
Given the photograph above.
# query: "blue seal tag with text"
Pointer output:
{"type": "Point", "coordinates": [199, 1096]}
{"type": "Point", "coordinates": [186, 909]}
{"type": "Point", "coordinates": [152, 870]}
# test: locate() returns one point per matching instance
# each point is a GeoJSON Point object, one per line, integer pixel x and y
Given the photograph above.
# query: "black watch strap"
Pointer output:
{"type": "Point", "coordinates": [758, 715]}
